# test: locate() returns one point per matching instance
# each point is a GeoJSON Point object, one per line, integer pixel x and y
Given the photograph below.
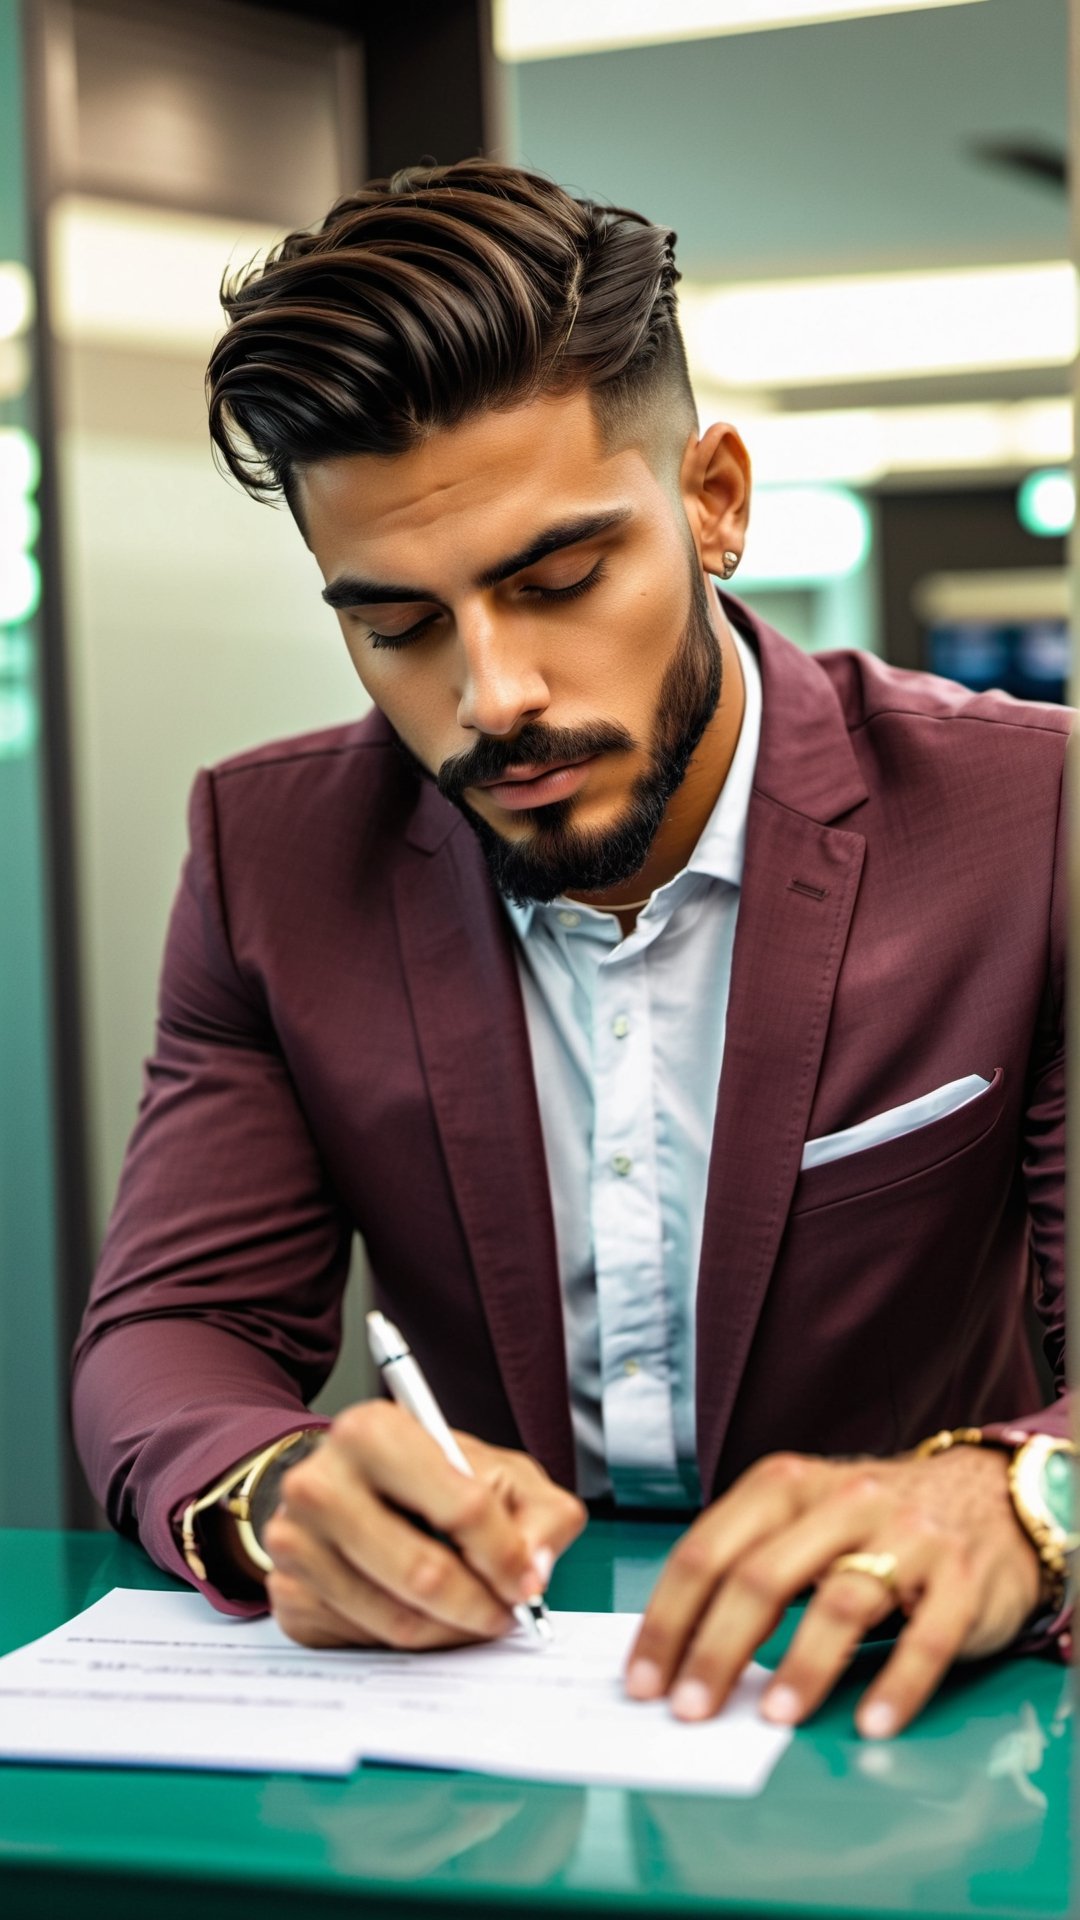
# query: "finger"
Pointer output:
{"type": "Point", "coordinates": [307, 1617]}
{"type": "Point", "coordinates": [934, 1638]}
{"type": "Point", "coordinates": [772, 1494]}
{"type": "Point", "coordinates": [326, 1507]}
{"type": "Point", "coordinates": [551, 1518]}
{"type": "Point", "coordinates": [758, 1588]}
{"type": "Point", "coordinates": [845, 1609]}
{"type": "Point", "coordinates": [398, 1460]}
{"type": "Point", "coordinates": [309, 1620]}
{"type": "Point", "coordinates": [312, 1580]}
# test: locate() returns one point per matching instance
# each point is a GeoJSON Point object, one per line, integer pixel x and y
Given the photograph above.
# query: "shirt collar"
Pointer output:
{"type": "Point", "coordinates": [721, 848]}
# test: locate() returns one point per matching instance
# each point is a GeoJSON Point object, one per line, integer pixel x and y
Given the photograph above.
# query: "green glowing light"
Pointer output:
{"type": "Point", "coordinates": [20, 462]}
{"type": "Point", "coordinates": [1046, 502]}
{"type": "Point", "coordinates": [20, 523]}
{"type": "Point", "coordinates": [20, 589]}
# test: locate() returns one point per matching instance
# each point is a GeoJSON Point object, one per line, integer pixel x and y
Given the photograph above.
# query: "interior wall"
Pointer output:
{"type": "Point", "coordinates": [194, 626]}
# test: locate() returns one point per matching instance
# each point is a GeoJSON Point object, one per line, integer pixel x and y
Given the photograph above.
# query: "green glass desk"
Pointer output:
{"type": "Point", "coordinates": [965, 1814]}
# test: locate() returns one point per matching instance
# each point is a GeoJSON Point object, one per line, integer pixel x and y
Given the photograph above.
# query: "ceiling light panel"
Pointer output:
{"type": "Point", "coordinates": [548, 29]}
{"type": "Point", "coordinates": [863, 445]}
{"type": "Point", "coordinates": [831, 332]}
{"type": "Point", "coordinates": [143, 277]}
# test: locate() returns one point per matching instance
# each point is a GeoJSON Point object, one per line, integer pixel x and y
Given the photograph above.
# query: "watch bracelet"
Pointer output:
{"type": "Point", "coordinates": [227, 1503]}
{"type": "Point", "coordinates": [264, 1494]}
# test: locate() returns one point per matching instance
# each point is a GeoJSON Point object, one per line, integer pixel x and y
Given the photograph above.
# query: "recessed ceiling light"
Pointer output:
{"type": "Point", "coordinates": [546, 29]}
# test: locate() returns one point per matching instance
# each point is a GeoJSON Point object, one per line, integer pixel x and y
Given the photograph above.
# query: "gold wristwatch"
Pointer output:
{"type": "Point", "coordinates": [1042, 1487]}
{"type": "Point", "coordinates": [235, 1495]}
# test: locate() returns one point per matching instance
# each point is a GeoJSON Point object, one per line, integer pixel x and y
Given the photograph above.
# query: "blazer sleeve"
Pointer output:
{"type": "Point", "coordinates": [1044, 1148]}
{"type": "Point", "coordinates": [215, 1312]}
{"type": "Point", "coordinates": [1045, 1182]}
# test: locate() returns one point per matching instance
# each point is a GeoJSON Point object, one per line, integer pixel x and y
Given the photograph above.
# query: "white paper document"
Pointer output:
{"type": "Point", "coordinates": [160, 1679]}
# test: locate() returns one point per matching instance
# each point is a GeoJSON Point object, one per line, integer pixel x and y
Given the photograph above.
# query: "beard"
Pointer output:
{"type": "Point", "coordinates": [558, 857]}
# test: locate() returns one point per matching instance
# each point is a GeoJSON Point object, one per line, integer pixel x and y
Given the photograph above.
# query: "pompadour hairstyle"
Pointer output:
{"type": "Point", "coordinates": [434, 295]}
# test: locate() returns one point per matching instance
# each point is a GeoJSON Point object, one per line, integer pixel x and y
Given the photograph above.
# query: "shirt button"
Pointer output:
{"type": "Point", "coordinates": [569, 919]}
{"type": "Point", "coordinates": [631, 1366]}
{"type": "Point", "coordinates": [622, 1163]}
{"type": "Point", "coordinates": [620, 1026]}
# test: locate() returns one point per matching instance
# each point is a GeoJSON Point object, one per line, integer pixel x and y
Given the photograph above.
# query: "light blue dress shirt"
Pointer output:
{"type": "Point", "coordinates": [627, 1040]}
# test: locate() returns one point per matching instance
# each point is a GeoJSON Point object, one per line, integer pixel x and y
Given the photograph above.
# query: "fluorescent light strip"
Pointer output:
{"type": "Point", "coordinates": [861, 445]}
{"type": "Point", "coordinates": [551, 29]}
{"type": "Point", "coordinates": [141, 277]}
{"type": "Point", "coordinates": [132, 276]}
{"type": "Point", "coordinates": [887, 326]}
{"type": "Point", "coordinates": [1020, 593]}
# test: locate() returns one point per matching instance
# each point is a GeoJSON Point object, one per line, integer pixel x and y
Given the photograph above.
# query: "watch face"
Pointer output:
{"type": "Point", "coordinates": [1058, 1489]}
{"type": "Point", "coordinates": [1045, 1486]}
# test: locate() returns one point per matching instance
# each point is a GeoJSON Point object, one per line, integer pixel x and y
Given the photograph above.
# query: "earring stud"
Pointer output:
{"type": "Point", "coordinates": [731, 561]}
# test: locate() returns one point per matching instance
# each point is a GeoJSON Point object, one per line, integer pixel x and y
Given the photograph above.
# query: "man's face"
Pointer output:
{"type": "Point", "coordinates": [528, 610]}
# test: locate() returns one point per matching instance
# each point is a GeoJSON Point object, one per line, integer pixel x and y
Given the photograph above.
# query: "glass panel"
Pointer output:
{"type": "Point", "coordinates": [30, 1475]}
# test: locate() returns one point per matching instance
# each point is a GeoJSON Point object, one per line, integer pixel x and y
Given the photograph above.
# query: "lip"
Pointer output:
{"type": "Point", "coordinates": [527, 786]}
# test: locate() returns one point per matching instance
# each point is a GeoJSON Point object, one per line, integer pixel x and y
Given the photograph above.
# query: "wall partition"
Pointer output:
{"type": "Point", "coordinates": [31, 1447]}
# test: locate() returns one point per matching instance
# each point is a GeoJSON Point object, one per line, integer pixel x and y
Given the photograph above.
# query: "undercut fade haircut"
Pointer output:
{"type": "Point", "coordinates": [432, 296]}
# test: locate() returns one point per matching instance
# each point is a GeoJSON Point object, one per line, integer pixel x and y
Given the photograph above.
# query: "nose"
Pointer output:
{"type": "Point", "coordinates": [501, 686]}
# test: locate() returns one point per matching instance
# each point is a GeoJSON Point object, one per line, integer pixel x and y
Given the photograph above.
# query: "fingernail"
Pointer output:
{"type": "Point", "coordinates": [691, 1700]}
{"type": "Point", "coordinates": [543, 1560]}
{"type": "Point", "coordinates": [877, 1720]}
{"type": "Point", "coordinates": [783, 1705]}
{"type": "Point", "coordinates": [644, 1680]}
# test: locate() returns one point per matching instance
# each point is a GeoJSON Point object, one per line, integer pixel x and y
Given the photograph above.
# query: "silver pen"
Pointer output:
{"type": "Point", "coordinates": [404, 1380]}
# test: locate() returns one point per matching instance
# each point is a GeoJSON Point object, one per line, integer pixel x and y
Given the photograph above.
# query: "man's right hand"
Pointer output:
{"type": "Point", "coordinates": [351, 1567]}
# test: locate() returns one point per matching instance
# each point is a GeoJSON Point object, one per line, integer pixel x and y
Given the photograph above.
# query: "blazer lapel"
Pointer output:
{"type": "Point", "coordinates": [798, 893]}
{"type": "Point", "coordinates": [463, 987]}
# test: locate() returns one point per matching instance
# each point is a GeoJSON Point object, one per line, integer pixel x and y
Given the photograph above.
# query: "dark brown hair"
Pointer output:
{"type": "Point", "coordinates": [431, 296]}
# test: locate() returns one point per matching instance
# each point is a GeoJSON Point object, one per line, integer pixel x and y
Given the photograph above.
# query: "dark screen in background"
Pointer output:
{"type": "Point", "coordinates": [1027, 658]}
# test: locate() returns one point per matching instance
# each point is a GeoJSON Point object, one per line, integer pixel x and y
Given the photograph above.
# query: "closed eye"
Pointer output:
{"type": "Point", "coordinates": [576, 587]}
{"type": "Point", "coordinates": [401, 639]}
{"type": "Point", "coordinates": [533, 590]}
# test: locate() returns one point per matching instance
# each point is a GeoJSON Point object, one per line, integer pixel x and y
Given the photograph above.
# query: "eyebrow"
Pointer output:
{"type": "Point", "coordinates": [352, 591]}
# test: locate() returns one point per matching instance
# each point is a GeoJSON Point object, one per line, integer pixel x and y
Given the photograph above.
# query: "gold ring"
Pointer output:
{"type": "Point", "coordinates": [880, 1566]}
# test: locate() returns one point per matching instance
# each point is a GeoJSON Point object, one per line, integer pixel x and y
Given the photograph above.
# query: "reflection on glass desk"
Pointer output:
{"type": "Point", "coordinates": [964, 1814]}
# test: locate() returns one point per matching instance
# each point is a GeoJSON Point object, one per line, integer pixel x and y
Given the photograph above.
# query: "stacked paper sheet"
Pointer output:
{"type": "Point", "coordinates": [160, 1679]}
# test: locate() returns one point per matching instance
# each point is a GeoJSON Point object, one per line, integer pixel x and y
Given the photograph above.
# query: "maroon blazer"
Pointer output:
{"type": "Point", "coordinates": [342, 1045]}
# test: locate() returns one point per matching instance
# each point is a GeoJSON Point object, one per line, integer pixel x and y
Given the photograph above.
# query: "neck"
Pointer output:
{"type": "Point", "coordinates": [690, 807]}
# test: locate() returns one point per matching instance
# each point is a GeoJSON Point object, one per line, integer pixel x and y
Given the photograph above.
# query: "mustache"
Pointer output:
{"type": "Point", "coordinates": [535, 745]}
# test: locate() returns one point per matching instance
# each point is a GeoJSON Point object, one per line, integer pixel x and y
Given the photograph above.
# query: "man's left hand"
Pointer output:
{"type": "Point", "coordinates": [967, 1577]}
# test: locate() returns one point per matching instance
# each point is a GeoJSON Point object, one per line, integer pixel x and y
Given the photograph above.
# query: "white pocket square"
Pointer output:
{"type": "Point", "coordinates": [893, 1124]}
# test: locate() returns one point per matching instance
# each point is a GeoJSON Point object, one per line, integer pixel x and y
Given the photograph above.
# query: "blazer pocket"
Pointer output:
{"type": "Point", "coordinates": [894, 1123]}
{"type": "Point", "coordinates": [865, 1170]}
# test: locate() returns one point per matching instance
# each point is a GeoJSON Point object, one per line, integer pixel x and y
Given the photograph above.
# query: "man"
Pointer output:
{"type": "Point", "coordinates": [677, 1018]}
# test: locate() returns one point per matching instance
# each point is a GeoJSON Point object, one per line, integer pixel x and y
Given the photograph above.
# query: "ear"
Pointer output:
{"type": "Point", "coordinates": [715, 485]}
